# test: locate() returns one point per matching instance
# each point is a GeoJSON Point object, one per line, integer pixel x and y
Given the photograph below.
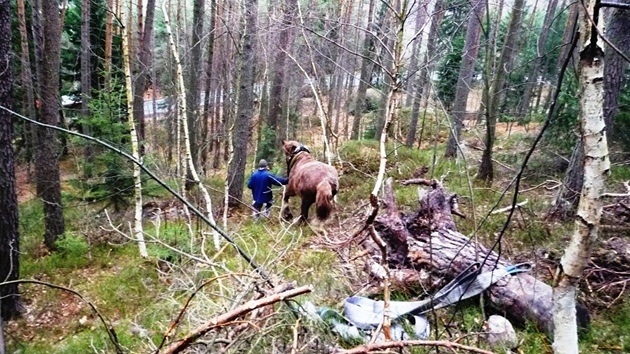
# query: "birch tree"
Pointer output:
{"type": "Point", "coordinates": [135, 151]}
{"type": "Point", "coordinates": [189, 164]}
{"type": "Point", "coordinates": [596, 167]}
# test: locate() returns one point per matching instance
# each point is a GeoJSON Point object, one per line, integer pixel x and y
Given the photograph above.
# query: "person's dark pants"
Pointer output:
{"type": "Point", "coordinates": [258, 208]}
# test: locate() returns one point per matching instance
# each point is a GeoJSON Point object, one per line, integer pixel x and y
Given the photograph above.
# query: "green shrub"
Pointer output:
{"type": "Point", "coordinates": [72, 246]}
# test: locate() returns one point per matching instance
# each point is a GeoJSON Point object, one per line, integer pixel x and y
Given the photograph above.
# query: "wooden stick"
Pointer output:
{"type": "Point", "coordinates": [421, 181]}
{"type": "Point", "coordinates": [508, 208]}
{"type": "Point", "coordinates": [367, 348]}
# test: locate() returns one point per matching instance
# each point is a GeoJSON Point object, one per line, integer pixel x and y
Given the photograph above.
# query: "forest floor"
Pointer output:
{"type": "Point", "coordinates": [127, 288]}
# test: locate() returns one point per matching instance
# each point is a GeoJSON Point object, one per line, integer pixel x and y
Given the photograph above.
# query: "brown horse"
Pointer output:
{"type": "Point", "coordinates": [311, 180]}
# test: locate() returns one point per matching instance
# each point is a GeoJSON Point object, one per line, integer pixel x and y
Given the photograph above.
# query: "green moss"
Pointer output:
{"type": "Point", "coordinates": [610, 333]}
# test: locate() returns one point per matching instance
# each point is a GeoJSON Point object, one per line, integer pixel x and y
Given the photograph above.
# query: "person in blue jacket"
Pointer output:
{"type": "Point", "coordinates": [260, 183]}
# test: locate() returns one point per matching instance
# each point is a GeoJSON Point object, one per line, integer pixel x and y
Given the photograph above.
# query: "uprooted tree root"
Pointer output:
{"type": "Point", "coordinates": [606, 277]}
{"type": "Point", "coordinates": [607, 274]}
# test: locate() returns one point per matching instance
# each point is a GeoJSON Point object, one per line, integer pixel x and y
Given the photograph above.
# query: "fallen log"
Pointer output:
{"type": "Point", "coordinates": [428, 241]}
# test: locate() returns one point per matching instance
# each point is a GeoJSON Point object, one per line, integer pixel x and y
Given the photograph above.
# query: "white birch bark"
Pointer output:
{"type": "Point", "coordinates": [596, 167]}
{"type": "Point", "coordinates": [135, 151]}
{"type": "Point", "coordinates": [182, 115]}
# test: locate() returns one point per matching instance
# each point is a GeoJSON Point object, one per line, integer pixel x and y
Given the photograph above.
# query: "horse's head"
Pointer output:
{"type": "Point", "coordinates": [289, 146]}
{"type": "Point", "coordinates": [291, 149]}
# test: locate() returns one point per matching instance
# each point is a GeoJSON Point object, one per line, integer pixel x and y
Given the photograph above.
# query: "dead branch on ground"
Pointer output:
{"type": "Point", "coordinates": [368, 348]}
{"type": "Point", "coordinates": [227, 318]}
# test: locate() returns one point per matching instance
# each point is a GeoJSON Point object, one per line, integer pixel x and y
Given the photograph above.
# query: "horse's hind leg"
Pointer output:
{"type": "Point", "coordinates": [307, 201]}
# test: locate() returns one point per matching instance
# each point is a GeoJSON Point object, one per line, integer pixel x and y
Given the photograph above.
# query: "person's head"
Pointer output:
{"type": "Point", "coordinates": [263, 164]}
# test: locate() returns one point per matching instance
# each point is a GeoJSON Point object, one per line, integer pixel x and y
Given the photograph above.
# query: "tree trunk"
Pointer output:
{"type": "Point", "coordinates": [62, 15]}
{"type": "Point", "coordinates": [109, 36]}
{"type": "Point", "coordinates": [415, 80]}
{"type": "Point", "coordinates": [135, 150]}
{"type": "Point", "coordinates": [490, 58]}
{"type": "Point", "coordinates": [236, 170]}
{"type": "Point", "coordinates": [466, 71]}
{"type": "Point", "coordinates": [567, 36]}
{"type": "Point", "coordinates": [614, 71]}
{"type": "Point", "coordinates": [568, 196]}
{"type": "Point", "coordinates": [532, 79]}
{"type": "Point", "coordinates": [423, 84]}
{"type": "Point", "coordinates": [192, 87]}
{"type": "Point", "coordinates": [141, 75]}
{"type": "Point", "coordinates": [140, 13]}
{"type": "Point", "coordinates": [219, 125]}
{"type": "Point", "coordinates": [364, 80]}
{"type": "Point", "coordinates": [486, 171]}
{"type": "Point", "coordinates": [314, 81]}
{"type": "Point", "coordinates": [27, 80]}
{"type": "Point", "coordinates": [391, 100]}
{"type": "Point", "coordinates": [421, 19]}
{"type": "Point", "coordinates": [387, 61]}
{"type": "Point", "coordinates": [596, 168]}
{"type": "Point", "coordinates": [331, 76]}
{"type": "Point", "coordinates": [9, 232]}
{"type": "Point", "coordinates": [86, 83]}
{"type": "Point", "coordinates": [208, 139]}
{"type": "Point", "coordinates": [46, 164]}
{"type": "Point", "coordinates": [38, 42]}
{"type": "Point", "coordinates": [276, 102]}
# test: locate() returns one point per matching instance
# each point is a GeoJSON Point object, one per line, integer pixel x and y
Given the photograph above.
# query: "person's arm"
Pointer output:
{"type": "Point", "coordinates": [278, 181]}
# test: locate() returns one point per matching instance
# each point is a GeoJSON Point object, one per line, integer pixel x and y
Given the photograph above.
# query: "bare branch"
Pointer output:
{"type": "Point", "coordinates": [367, 348]}
{"type": "Point", "coordinates": [230, 316]}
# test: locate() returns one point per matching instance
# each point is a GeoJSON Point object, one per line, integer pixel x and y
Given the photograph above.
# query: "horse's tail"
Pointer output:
{"type": "Point", "coordinates": [324, 200]}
